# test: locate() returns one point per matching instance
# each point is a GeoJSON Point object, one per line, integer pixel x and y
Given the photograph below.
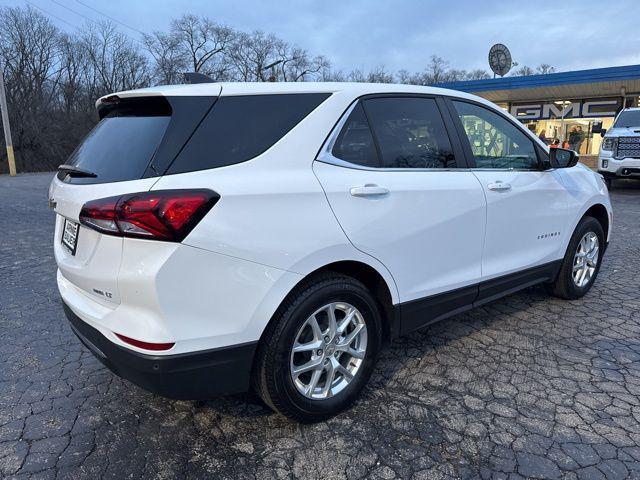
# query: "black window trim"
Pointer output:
{"type": "Point", "coordinates": [325, 154]}
{"type": "Point", "coordinates": [542, 157]}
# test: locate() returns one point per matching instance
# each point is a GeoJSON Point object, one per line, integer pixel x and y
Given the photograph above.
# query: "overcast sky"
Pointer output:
{"type": "Point", "coordinates": [403, 34]}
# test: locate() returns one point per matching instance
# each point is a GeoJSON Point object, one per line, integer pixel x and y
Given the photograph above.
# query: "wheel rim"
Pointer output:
{"type": "Point", "coordinates": [328, 350]}
{"type": "Point", "coordinates": [585, 259]}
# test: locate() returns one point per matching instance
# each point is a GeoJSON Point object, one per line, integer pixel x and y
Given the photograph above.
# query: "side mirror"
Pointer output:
{"type": "Point", "coordinates": [603, 131]}
{"type": "Point", "coordinates": [562, 158]}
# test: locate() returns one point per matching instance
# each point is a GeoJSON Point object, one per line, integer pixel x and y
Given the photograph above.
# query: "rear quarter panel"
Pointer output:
{"type": "Point", "coordinates": [272, 209]}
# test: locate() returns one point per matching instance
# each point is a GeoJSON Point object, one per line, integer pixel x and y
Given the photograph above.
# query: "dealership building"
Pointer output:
{"type": "Point", "coordinates": [558, 104]}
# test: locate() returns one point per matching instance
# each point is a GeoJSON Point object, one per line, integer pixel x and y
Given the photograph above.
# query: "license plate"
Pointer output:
{"type": "Point", "coordinates": [70, 235]}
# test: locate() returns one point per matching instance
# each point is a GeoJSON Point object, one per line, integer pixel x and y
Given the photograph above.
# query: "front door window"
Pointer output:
{"type": "Point", "coordinates": [495, 141]}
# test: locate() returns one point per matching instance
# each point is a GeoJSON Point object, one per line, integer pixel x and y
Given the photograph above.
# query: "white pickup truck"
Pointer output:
{"type": "Point", "coordinates": [620, 150]}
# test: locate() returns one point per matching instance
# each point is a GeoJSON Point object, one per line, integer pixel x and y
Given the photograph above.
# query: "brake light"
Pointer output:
{"type": "Point", "coordinates": [159, 215]}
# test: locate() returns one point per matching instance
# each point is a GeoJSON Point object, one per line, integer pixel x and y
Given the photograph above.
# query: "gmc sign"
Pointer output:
{"type": "Point", "coordinates": [574, 109]}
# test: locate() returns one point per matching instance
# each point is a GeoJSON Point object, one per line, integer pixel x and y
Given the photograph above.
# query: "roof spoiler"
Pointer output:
{"type": "Point", "coordinates": [196, 77]}
{"type": "Point", "coordinates": [146, 105]}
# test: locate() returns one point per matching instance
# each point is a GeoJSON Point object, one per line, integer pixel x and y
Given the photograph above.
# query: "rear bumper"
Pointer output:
{"type": "Point", "coordinates": [184, 376]}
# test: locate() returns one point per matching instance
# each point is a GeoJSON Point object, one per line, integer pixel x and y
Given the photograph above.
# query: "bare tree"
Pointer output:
{"type": "Point", "coordinates": [116, 64]}
{"type": "Point", "coordinates": [29, 50]}
{"type": "Point", "coordinates": [260, 57]}
{"type": "Point", "coordinates": [477, 74]}
{"type": "Point", "coordinates": [545, 69]}
{"type": "Point", "coordinates": [29, 55]}
{"type": "Point", "coordinates": [254, 56]}
{"type": "Point", "coordinates": [169, 62]}
{"type": "Point", "coordinates": [329, 75]}
{"type": "Point", "coordinates": [523, 71]}
{"type": "Point", "coordinates": [53, 79]}
{"type": "Point", "coordinates": [404, 76]}
{"type": "Point", "coordinates": [437, 69]}
{"type": "Point", "coordinates": [380, 75]}
{"type": "Point", "coordinates": [202, 44]}
{"type": "Point", "coordinates": [297, 66]}
{"type": "Point", "coordinates": [542, 69]}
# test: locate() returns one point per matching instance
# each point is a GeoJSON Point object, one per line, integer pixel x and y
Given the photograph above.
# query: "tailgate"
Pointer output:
{"type": "Point", "coordinates": [94, 266]}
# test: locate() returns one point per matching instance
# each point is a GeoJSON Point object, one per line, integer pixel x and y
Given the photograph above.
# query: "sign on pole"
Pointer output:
{"type": "Point", "coordinates": [500, 59]}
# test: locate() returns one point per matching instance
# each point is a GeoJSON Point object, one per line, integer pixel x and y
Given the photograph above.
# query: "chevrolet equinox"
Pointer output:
{"type": "Point", "coordinates": [216, 238]}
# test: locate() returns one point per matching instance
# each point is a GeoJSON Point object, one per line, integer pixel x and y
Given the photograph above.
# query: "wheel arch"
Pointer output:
{"type": "Point", "coordinates": [365, 273]}
{"type": "Point", "coordinates": [596, 210]}
{"type": "Point", "coordinates": [371, 277]}
{"type": "Point", "coordinates": [376, 283]}
{"type": "Point", "coordinates": [601, 214]}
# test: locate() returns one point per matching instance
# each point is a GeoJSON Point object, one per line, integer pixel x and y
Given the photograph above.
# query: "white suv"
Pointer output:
{"type": "Point", "coordinates": [216, 237]}
{"type": "Point", "coordinates": [620, 148]}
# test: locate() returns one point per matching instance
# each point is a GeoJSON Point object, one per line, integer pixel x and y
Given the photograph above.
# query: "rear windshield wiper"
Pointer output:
{"type": "Point", "coordinates": [75, 171]}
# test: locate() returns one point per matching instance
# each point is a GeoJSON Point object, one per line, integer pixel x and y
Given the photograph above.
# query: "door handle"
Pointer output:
{"type": "Point", "coordinates": [499, 186]}
{"type": "Point", "coordinates": [369, 190]}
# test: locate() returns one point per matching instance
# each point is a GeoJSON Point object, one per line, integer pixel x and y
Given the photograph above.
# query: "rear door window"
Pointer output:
{"type": "Point", "coordinates": [410, 132]}
{"type": "Point", "coordinates": [239, 128]}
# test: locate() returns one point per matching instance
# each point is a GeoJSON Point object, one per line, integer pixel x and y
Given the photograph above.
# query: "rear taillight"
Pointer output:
{"type": "Point", "coordinates": [161, 215]}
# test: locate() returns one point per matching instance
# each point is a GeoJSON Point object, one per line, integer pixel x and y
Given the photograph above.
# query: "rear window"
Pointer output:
{"type": "Point", "coordinates": [122, 144]}
{"type": "Point", "coordinates": [239, 128]}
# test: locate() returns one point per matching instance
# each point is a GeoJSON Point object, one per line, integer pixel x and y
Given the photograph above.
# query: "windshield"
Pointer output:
{"type": "Point", "coordinates": [628, 118]}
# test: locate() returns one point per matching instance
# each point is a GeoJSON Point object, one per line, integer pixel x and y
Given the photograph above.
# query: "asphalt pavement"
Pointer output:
{"type": "Point", "coordinates": [529, 386]}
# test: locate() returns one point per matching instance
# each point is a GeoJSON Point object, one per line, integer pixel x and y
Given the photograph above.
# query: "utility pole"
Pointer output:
{"type": "Point", "coordinates": [5, 125]}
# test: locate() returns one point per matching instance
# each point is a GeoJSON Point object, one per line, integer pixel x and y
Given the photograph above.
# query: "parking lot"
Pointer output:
{"type": "Point", "coordinates": [529, 386]}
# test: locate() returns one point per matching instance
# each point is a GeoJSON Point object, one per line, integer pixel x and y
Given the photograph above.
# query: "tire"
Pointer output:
{"type": "Point", "coordinates": [565, 286]}
{"type": "Point", "coordinates": [273, 376]}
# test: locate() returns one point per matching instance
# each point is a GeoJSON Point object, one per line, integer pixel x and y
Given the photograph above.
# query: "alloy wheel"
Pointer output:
{"type": "Point", "coordinates": [585, 259]}
{"type": "Point", "coordinates": [328, 350]}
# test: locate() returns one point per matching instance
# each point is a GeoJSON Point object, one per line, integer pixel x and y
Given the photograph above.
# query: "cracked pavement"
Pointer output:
{"type": "Point", "coordinates": [529, 386]}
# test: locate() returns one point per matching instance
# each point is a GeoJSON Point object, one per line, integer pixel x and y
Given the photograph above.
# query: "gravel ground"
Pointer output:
{"type": "Point", "coordinates": [529, 386]}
